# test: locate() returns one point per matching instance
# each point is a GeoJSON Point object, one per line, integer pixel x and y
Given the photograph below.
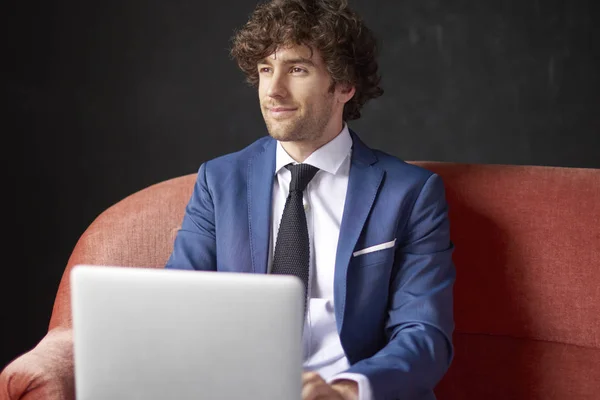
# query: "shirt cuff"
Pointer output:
{"type": "Point", "coordinates": [364, 386]}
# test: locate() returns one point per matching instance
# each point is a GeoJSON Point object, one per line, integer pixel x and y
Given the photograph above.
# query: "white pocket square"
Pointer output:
{"type": "Point", "coordinates": [377, 247]}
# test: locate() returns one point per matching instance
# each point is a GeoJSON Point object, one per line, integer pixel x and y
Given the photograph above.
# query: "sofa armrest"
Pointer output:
{"type": "Point", "coordinates": [46, 372]}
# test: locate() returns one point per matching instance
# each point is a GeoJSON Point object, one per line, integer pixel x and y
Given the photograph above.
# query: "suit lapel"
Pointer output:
{"type": "Point", "coordinates": [261, 172]}
{"type": "Point", "coordinates": [363, 185]}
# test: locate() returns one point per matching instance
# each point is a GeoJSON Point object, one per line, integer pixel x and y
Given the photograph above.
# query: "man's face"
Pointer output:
{"type": "Point", "coordinates": [295, 97]}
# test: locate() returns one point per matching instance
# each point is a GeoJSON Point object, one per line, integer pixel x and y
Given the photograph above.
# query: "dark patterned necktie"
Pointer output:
{"type": "Point", "coordinates": [292, 250]}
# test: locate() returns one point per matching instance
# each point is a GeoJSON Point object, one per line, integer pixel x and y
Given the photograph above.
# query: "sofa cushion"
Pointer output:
{"type": "Point", "coordinates": [497, 367]}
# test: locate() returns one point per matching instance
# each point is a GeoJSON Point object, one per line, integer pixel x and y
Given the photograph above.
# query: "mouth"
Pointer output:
{"type": "Point", "coordinates": [281, 112]}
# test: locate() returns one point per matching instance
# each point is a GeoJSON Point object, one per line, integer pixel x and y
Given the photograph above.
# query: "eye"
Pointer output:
{"type": "Point", "coordinates": [263, 69]}
{"type": "Point", "coordinates": [298, 70]}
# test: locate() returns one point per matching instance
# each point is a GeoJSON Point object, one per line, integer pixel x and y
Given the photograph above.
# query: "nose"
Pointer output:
{"type": "Point", "coordinates": [277, 85]}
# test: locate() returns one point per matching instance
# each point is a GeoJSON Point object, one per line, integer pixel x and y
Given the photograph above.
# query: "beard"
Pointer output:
{"type": "Point", "coordinates": [300, 127]}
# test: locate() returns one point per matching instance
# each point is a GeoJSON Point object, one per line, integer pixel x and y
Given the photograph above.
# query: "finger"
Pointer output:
{"type": "Point", "coordinates": [316, 389]}
{"type": "Point", "coordinates": [311, 377]}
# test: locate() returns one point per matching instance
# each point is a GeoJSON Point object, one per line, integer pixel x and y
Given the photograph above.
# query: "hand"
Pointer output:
{"type": "Point", "coordinates": [315, 388]}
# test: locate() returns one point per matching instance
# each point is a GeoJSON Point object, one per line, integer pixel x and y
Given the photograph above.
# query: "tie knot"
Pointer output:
{"type": "Point", "coordinates": [301, 175]}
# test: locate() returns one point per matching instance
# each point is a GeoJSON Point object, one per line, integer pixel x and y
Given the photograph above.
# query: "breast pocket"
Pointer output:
{"type": "Point", "coordinates": [376, 254]}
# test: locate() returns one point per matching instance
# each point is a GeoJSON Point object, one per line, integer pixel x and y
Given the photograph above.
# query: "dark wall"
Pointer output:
{"type": "Point", "coordinates": [105, 98]}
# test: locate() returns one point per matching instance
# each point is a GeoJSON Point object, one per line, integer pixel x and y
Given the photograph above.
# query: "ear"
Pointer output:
{"type": "Point", "coordinates": [346, 92]}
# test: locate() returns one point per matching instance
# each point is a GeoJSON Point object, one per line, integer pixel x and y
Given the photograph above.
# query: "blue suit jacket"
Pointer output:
{"type": "Point", "coordinates": [393, 307]}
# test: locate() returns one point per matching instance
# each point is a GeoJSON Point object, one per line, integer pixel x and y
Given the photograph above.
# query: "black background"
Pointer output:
{"type": "Point", "coordinates": [105, 98]}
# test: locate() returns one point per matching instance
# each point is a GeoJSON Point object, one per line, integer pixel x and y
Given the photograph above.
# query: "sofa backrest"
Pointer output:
{"type": "Point", "coordinates": [138, 231]}
{"type": "Point", "coordinates": [527, 293]}
{"type": "Point", "coordinates": [527, 251]}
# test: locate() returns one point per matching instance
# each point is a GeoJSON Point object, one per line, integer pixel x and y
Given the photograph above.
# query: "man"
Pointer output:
{"type": "Point", "coordinates": [367, 233]}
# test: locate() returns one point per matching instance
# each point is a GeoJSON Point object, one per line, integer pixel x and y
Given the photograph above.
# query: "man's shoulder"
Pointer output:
{"type": "Point", "coordinates": [406, 178]}
{"type": "Point", "coordinates": [397, 168]}
{"type": "Point", "coordinates": [232, 167]}
{"type": "Point", "coordinates": [245, 154]}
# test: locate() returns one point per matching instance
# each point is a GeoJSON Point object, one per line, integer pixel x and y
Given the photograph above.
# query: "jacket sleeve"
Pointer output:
{"type": "Point", "coordinates": [195, 244]}
{"type": "Point", "coordinates": [420, 317]}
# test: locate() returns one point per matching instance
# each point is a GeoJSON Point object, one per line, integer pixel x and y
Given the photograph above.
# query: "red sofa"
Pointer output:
{"type": "Point", "coordinates": [527, 294]}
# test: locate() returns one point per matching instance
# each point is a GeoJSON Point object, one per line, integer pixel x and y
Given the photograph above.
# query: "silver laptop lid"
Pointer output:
{"type": "Point", "coordinates": [142, 333]}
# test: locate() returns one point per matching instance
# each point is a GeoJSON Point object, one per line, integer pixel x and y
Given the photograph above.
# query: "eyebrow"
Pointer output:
{"type": "Point", "coordinates": [298, 60]}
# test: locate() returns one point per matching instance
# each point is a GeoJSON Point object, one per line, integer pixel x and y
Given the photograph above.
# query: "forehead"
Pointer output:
{"type": "Point", "coordinates": [295, 53]}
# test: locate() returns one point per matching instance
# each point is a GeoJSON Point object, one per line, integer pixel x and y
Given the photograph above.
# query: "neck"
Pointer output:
{"type": "Point", "coordinates": [301, 150]}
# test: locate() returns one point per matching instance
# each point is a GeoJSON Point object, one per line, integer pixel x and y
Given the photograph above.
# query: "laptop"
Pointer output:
{"type": "Point", "coordinates": [143, 333]}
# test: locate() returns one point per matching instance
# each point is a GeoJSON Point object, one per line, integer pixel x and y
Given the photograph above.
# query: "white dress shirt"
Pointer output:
{"type": "Point", "coordinates": [323, 200]}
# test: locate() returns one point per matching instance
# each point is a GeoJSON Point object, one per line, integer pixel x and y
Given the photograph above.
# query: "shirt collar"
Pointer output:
{"type": "Point", "coordinates": [328, 157]}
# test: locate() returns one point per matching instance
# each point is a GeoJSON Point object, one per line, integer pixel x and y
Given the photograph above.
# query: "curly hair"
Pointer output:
{"type": "Point", "coordinates": [347, 46]}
